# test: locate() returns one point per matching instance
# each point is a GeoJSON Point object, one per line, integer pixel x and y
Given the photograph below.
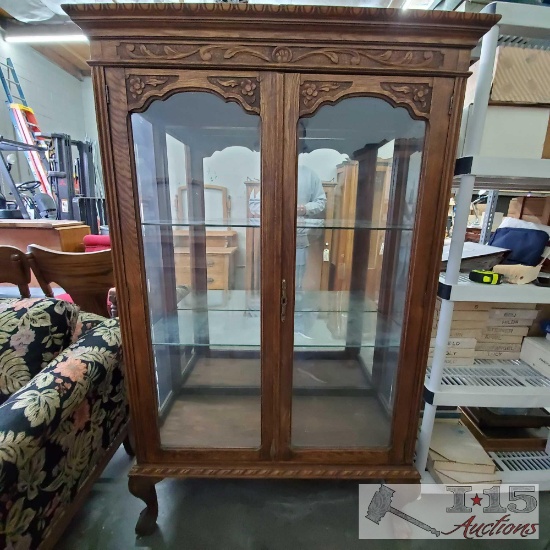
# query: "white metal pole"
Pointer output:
{"type": "Point", "coordinates": [476, 120]}
{"type": "Point", "coordinates": [472, 144]}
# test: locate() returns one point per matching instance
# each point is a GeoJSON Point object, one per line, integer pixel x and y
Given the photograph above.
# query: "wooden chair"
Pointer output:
{"type": "Point", "coordinates": [87, 277]}
{"type": "Point", "coordinates": [15, 269]}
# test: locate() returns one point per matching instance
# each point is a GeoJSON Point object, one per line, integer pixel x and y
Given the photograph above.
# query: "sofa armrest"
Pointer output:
{"type": "Point", "coordinates": [34, 412]}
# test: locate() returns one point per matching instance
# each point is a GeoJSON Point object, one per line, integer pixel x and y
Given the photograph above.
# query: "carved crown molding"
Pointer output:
{"type": "Point", "coordinates": [280, 56]}
{"type": "Point", "coordinates": [106, 14]}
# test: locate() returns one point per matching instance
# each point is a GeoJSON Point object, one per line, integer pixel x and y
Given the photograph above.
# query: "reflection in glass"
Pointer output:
{"type": "Point", "coordinates": [357, 182]}
{"type": "Point", "coordinates": [197, 162]}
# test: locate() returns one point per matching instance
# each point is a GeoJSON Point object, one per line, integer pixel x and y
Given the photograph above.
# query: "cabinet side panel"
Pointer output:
{"type": "Point", "coordinates": [127, 253]}
{"type": "Point", "coordinates": [436, 178]}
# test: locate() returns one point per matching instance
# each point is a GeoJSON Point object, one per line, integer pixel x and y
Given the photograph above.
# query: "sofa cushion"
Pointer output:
{"type": "Point", "coordinates": [86, 322]}
{"type": "Point", "coordinates": [32, 332]}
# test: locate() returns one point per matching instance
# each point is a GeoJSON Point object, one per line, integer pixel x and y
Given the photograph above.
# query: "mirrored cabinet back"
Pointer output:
{"type": "Point", "coordinates": [277, 180]}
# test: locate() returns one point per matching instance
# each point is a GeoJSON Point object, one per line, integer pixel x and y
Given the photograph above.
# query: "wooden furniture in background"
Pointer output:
{"type": "Point", "coordinates": [379, 218]}
{"type": "Point", "coordinates": [217, 203]}
{"type": "Point", "coordinates": [253, 240]}
{"type": "Point", "coordinates": [86, 276]}
{"type": "Point", "coordinates": [345, 203]}
{"type": "Point", "coordinates": [530, 209]}
{"type": "Point", "coordinates": [225, 238]}
{"type": "Point", "coordinates": [318, 269]}
{"type": "Point", "coordinates": [15, 269]}
{"type": "Point", "coordinates": [220, 264]}
{"type": "Point", "coordinates": [62, 235]}
{"type": "Point", "coordinates": [221, 244]}
{"type": "Point", "coordinates": [142, 53]}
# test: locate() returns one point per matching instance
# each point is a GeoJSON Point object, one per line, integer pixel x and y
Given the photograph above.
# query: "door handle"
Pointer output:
{"type": "Point", "coordinates": [284, 300]}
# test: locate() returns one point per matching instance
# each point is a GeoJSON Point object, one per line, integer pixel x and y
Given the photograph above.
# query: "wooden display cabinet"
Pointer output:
{"type": "Point", "coordinates": [251, 382]}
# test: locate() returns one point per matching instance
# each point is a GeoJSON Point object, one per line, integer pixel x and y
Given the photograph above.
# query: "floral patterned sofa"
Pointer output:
{"type": "Point", "coordinates": [63, 413]}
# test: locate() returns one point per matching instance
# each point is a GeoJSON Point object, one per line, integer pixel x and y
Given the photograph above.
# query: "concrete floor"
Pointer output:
{"type": "Point", "coordinates": [242, 515]}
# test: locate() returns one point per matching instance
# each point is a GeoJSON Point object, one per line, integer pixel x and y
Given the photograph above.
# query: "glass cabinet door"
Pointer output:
{"type": "Point", "coordinates": [358, 175]}
{"type": "Point", "coordinates": [197, 163]}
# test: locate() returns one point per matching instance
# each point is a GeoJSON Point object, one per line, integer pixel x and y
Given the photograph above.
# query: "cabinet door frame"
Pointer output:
{"type": "Point", "coordinates": [132, 90]}
{"type": "Point", "coordinates": [426, 98]}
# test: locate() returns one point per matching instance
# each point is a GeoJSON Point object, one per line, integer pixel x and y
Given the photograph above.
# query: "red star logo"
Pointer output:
{"type": "Point", "coordinates": [476, 500]}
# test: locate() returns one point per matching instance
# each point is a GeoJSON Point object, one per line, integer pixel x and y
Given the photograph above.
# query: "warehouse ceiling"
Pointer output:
{"type": "Point", "coordinates": [37, 15]}
{"type": "Point", "coordinates": [43, 10]}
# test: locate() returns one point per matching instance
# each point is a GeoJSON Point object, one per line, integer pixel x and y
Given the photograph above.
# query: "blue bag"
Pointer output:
{"type": "Point", "coordinates": [526, 245]}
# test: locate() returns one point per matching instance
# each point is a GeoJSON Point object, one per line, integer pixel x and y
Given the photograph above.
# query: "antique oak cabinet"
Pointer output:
{"type": "Point", "coordinates": [333, 131]}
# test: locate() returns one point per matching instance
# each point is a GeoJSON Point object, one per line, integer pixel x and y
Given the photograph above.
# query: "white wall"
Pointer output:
{"type": "Point", "coordinates": [88, 109]}
{"type": "Point", "coordinates": [54, 94]}
{"type": "Point", "coordinates": [61, 102]}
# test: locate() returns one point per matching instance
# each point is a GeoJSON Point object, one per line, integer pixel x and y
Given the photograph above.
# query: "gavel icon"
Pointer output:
{"type": "Point", "coordinates": [380, 505]}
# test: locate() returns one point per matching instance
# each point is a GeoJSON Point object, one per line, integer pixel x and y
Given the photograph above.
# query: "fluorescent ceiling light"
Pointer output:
{"type": "Point", "coordinates": [37, 38]}
{"type": "Point", "coordinates": [42, 33]}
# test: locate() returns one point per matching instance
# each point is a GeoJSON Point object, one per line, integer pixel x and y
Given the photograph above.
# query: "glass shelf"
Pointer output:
{"type": "Point", "coordinates": [248, 301]}
{"type": "Point", "coordinates": [241, 330]}
{"type": "Point", "coordinates": [302, 224]}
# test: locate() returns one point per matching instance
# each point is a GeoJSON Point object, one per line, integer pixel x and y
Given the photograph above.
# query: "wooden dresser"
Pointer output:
{"type": "Point", "coordinates": [220, 266]}
{"type": "Point", "coordinates": [63, 235]}
{"type": "Point", "coordinates": [221, 249]}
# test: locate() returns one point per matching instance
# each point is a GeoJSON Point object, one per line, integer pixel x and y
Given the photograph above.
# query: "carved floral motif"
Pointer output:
{"type": "Point", "coordinates": [313, 93]}
{"type": "Point", "coordinates": [417, 94]}
{"type": "Point", "coordinates": [284, 55]}
{"type": "Point", "coordinates": [246, 88]}
{"type": "Point", "coordinates": [310, 90]}
{"type": "Point", "coordinates": [139, 85]}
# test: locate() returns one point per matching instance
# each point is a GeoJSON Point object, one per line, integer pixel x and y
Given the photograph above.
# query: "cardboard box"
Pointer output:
{"type": "Point", "coordinates": [490, 346]}
{"type": "Point", "coordinates": [475, 316]}
{"type": "Point", "coordinates": [513, 306]}
{"type": "Point", "coordinates": [509, 322]}
{"type": "Point", "coordinates": [520, 76]}
{"type": "Point", "coordinates": [461, 333]}
{"type": "Point", "coordinates": [468, 325]}
{"type": "Point", "coordinates": [535, 351]}
{"type": "Point", "coordinates": [456, 352]}
{"type": "Point", "coordinates": [530, 209]}
{"type": "Point", "coordinates": [478, 326]}
{"type": "Point", "coordinates": [454, 449]}
{"type": "Point", "coordinates": [449, 477]}
{"type": "Point", "coordinates": [499, 338]}
{"type": "Point", "coordinates": [455, 361]}
{"type": "Point", "coordinates": [467, 306]}
{"type": "Point", "coordinates": [508, 313]}
{"type": "Point", "coordinates": [508, 331]}
{"type": "Point", "coordinates": [458, 342]}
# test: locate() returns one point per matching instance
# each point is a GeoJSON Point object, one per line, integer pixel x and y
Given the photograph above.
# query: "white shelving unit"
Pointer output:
{"type": "Point", "coordinates": [505, 173]}
{"type": "Point", "coordinates": [489, 383]}
{"type": "Point", "coordinates": [465, 290]}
